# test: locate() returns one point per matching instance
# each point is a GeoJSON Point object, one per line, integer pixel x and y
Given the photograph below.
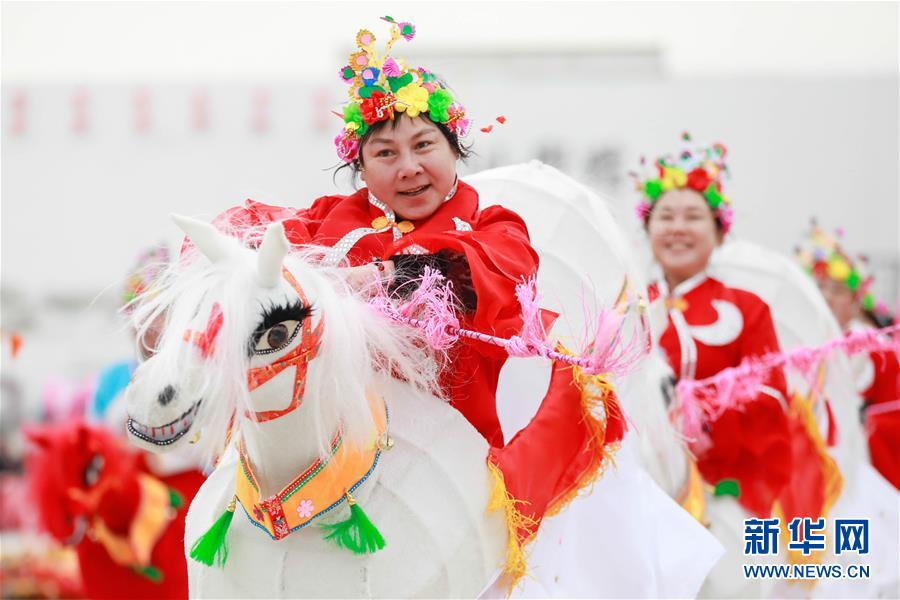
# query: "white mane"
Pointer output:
{"type": "Point", "coordinates": [359, 349]}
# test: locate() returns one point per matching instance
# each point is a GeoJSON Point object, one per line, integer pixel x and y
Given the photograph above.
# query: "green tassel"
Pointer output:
{"type": "Point", "coordinates": [175, 499]}
{"type": "Point", "coordinates": [210, 547]}
{"type": "Point", "coordinates": [728, 487]}
{"type": "Point", "coordinates": [357, 534]}
{"type": "Point", "coordinates": [150, 572]}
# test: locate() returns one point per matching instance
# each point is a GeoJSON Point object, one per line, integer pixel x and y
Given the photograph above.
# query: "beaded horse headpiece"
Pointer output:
{"type": "Point", "coordinates": [699, 168]}
{"type": "Point", "coordinates": [381, 85]}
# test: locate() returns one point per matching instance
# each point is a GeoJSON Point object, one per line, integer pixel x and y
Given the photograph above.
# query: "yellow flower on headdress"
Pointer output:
{"type": "Point", "coordinates": [838, 269]}
{"type": "Point", "coordinates": [413, 99]}
{"type": "Point", "coordinates": [673, 178]}
{"type": "Point", "coordinates": [365, 38]}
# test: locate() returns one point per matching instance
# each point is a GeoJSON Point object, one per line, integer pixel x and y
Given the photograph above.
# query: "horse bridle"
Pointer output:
{"type": "Point", "coordinates": [299, 357]}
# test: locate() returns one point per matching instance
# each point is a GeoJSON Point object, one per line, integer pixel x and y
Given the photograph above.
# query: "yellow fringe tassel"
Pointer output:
{"type": "Point", "coordinates": [516, 561]}
{"type": "Point", "coordinates": [598, 402]}
{"type": "Point", "coordinates": [834, 482]}
{"type": "Point", "coordinates": [693, 497]}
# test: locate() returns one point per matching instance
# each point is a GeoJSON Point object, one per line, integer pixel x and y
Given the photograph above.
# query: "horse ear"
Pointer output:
{"type": "Point", "coordinates": [211, 243]}
{"type": "Point", "coordinates": [271, 255]}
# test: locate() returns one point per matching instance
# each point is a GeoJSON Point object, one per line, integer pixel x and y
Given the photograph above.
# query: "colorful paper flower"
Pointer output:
{"type": "Point", "coordinates": [653, 188]}
{"type": "Point", "coordinates": [305, 509]}
{"type": "Point", "coordinates": [347, 146]}
{"type": "Point", "coordinates": [439, 102]}
{"type": "Point", "coordinates": [359, 61]}
{"type": "Point", "coordinates": [458, 123]}
{"type": "Point", "coordinates": [347, 73]}
{"type": "Point", "coordinates": [365, 38]}
{"type": "Point", "coordinates": [838, 269]}
{"type": "Point", "coordinates": [378, 107]}
{"type": "Point", "coordinates": [353, 114]}
{"type": "Point", "coordinates": [407, 30]}
{"type": "Point", "coordinates": [391, 68]}
{"type": "Point", "coordinates": [698, 180]}
{"type": "Point", "coordinates": [413, 99]}
{"type": "Point", "coordinates": [369, 75]}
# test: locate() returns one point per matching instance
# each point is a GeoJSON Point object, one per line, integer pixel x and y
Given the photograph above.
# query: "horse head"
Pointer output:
{"type": "Point", "coordinates": [265, 341]}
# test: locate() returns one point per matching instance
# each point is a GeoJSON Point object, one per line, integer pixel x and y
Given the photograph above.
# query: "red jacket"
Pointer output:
{"type": "Point", "coordinates": [712, 327]}
{"type": "Point", "coordinates": [880, 390]}
{"type": "Point", "coordinates": [496, 245]}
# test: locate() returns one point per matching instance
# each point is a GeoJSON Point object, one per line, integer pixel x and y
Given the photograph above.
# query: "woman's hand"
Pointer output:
{"type": "Point", "coordinates": [367, 277]}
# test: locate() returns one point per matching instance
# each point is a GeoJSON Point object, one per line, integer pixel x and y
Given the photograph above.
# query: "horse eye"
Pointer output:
{"type": "Point", "coordinates": [92, 471]}
{"type": "Point", "coordinates": [277, 337]}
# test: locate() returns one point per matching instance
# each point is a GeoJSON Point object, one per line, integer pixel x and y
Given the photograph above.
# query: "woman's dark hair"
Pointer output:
{"type": "Point", "coordinates": [464, 151]}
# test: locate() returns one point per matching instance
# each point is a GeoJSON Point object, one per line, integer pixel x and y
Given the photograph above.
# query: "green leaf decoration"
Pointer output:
{"type": "Point", "coordinates": [868, 302]}
{"type": "Point", "coordinates": [367, 91]}
{"type": "Point", "coordinates": [653, 188]}
{"type": "Point", "coordinates": [853, 281]}
{"type": "Point", "coordinates": [438, 103]}
{"type": "Point", "coordinates": [406, 30]}
{"type": "Point", "coordinates": [348, 73]}
{"type": "Point", "coordinates": [352, 114]}
{"type": "Point", "coordinates": [713, 197]}
{"type": "Point", "coordinates": [388, 19]}
{"type": "Point", "coordinates": [728, 487]}
{"type": "Point", "coordinates": [398, 82]}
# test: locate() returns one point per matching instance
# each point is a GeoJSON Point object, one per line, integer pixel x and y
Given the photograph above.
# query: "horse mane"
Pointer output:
{"type": "Point", "coordinates": [360, 350]}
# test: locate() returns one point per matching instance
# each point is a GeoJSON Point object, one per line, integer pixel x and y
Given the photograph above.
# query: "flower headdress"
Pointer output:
{"type": "Point", "coordinates": [697, 168]}
{"type": "Point", "coordinates": [822, 256]}
{"type": "Point", "coordinates": [381, 85]}
{"type": "Point", "coordinates": [151, 262]}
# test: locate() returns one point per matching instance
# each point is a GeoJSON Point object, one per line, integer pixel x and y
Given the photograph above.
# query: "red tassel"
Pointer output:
{"type": "Point", "coordinates": [832, 426]}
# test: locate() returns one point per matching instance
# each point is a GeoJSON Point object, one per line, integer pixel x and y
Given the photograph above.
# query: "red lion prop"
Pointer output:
{"type": "Point", "coordinates": [127, 524]}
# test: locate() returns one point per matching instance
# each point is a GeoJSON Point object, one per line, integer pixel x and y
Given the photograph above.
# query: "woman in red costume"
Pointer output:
{"type": "Point", "coordinates": [401, 136]}
{"type": "Point", "coordinates": [846, 285]}
{"type": "Point", "coordinates": [711, 327]}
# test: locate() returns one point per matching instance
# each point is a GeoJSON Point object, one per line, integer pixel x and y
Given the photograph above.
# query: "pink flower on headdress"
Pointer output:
{"type": "Point", "coordinates": [347, 146]}
{"type": "Point", "coordinates": [643, 210]}
{"type": "Point", "coordinates": [458, 123]}
{"type": "Point", "coordinates": [347, 74]}
{"type": "Point", "coordinates": [407, 30]}
{"type": "Point", "coordinates": [305, 509]}
{"type": "Point", "coordinates": [391, 68]}
{"type": "Point", "coordinates": [725, 214]}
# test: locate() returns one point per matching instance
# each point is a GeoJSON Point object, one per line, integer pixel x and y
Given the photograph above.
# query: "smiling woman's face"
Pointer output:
{"type": "Point", "coordinates": [683, 234]}
{"type": "Point", "coordinates": [409, 165]}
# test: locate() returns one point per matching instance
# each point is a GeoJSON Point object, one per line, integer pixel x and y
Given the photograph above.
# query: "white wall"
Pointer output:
{"type": "Point", "coordinates": [805, 96]}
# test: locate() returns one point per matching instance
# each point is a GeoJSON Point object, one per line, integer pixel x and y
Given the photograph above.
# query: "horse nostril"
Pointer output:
{"type": "Point", "coordinates": [166, 396]}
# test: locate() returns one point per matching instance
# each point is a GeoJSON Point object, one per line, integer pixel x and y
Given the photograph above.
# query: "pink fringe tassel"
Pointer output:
{"type": "Point", "coordinates": [706, 399]}
{"type": "Point", "coordinates": [430, 308]}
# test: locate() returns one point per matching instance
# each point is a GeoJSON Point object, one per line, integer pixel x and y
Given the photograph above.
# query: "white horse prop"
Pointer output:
{"type": "Point", "coordinates": [353, 477]}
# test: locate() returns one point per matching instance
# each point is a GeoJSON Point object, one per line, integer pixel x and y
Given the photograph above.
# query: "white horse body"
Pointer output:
{"type": "Point", "coordinates": [427, 494]}
{"type": "Point", "coordinates": [428, 498]}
